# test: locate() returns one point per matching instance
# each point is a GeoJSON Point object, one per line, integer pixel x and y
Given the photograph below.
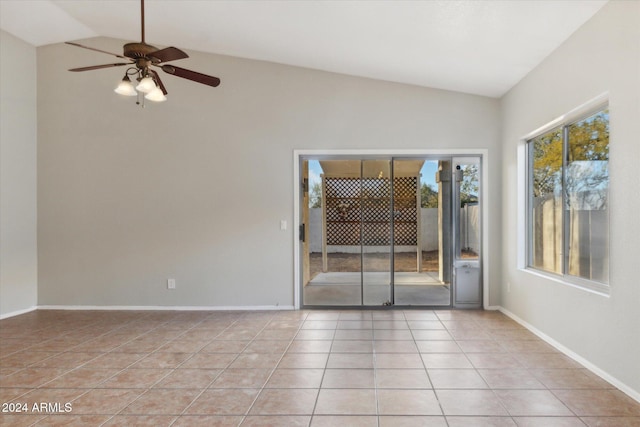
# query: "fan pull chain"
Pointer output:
{"type": "Point", "coordinates": [138, 100]}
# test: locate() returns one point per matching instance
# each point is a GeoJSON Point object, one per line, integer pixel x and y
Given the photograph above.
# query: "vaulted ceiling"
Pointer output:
{"type": "Point", "coordinates": [477, 47]}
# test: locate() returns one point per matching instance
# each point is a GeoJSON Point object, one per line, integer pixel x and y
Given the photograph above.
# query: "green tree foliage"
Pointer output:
{"type": "Point", "coordinates": [588, 141]}
{"type": "Point", "coordinates": [589, 138]}
{"type": "Point", "coordinates": [547, 163]}
{"type": "Point", "coordinates": [315, 195]}
{"type": "Point", "coordinates": [587, 175]}
{"type": "Point", "coordinates": [428, 196]}
{"type": "Point", "coordinates": [469, 186]}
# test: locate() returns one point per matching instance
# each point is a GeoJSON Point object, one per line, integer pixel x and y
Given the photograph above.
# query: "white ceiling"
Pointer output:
{"type": "Point", "coordinates": [481, 47]}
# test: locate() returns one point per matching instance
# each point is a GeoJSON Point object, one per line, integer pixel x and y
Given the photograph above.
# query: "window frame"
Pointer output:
{"type": "Point", "coordinates": [562, 123]}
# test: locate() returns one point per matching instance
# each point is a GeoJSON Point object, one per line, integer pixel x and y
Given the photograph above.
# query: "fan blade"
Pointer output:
{"type": "Point", "coordinates": [191, 75]}
{"type": "Point", "coordinates": [157, 79]}
{"type": "Point", "coordinates": [97, 67]}
{"type": "Point", "coordinates": [168, 54]}
{"type": "Point", "coordinates": [97, 50]}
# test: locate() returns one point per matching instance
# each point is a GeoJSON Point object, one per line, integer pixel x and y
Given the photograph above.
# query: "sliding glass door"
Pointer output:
{"type": "Point", "coordinates": [421, 224]}
{"type": "Point", "coordinates": [380, 231]}
{"type": "Point", "coordinates": [376, 226]}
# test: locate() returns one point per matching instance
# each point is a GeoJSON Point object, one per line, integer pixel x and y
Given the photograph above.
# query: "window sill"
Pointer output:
{"type": "Point", "coordinates": [574, 282]}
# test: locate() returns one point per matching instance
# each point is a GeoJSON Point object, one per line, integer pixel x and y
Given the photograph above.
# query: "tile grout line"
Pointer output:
{"type": "Point", "coordinates": [147, 389]}
{"type": "Point", "coordinates": [537, 367]}
{"type": "Point", "coordinates": [218, 375]}
{"type": "Point", "coordinates": [426, 370]}
{"type": "Point", "coordinates": [271, 373]}
{"type": "Point", "coordinates": [324, 371]}
{"type": "Point", "coordinates": [227, 367]}
{"type": "Point", "coordinates": [41, 387]}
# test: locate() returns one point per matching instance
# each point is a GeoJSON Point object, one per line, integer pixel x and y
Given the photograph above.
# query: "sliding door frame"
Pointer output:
{"type": "Point", "coordinates": [299, 155]}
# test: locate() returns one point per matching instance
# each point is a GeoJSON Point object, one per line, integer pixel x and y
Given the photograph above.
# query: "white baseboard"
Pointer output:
{"type": "Point", "coordinates": [634, 394]}
{"type": "Point", "coordinates": [17, 312]}
{"type": "Point", "coordinates": [165, 307]}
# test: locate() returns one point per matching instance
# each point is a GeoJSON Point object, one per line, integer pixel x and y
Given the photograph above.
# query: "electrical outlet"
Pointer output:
{"type": "Point", "coordinates": [171, 283]}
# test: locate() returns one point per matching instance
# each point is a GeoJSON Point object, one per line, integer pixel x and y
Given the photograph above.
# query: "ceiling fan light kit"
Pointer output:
{"type": "Point", "coordinates": [155, 95]}
{"type": "Point", "coordinates": [125, 87]}
{"type": "Point", "coordinates": [141, 58]}
{"type": "Point", "coordinates": [146, 85]}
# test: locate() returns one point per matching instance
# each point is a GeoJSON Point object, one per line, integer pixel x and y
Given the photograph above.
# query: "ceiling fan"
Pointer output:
{"type": "Point", "coordinates": [142, 57]}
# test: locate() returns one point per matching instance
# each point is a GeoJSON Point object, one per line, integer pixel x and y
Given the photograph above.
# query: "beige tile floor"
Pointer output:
{"type": "Point", "coordinates": [294, 368]}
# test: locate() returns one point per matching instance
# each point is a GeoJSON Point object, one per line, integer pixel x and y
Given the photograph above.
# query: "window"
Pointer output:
{"type": "Point", "coordinates": [568, 192]}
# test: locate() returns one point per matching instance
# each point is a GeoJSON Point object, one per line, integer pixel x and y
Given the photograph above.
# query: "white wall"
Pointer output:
{"type": "Point", "coordinates": [18, 221]}
{"type": "Point", "coordinates": [603, 55]}
{"type": "Point", "coordinates": [195, 188]}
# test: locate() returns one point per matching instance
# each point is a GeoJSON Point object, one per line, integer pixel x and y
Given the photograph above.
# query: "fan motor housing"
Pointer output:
{"type": "Point", "coordinates": [138, 50]}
